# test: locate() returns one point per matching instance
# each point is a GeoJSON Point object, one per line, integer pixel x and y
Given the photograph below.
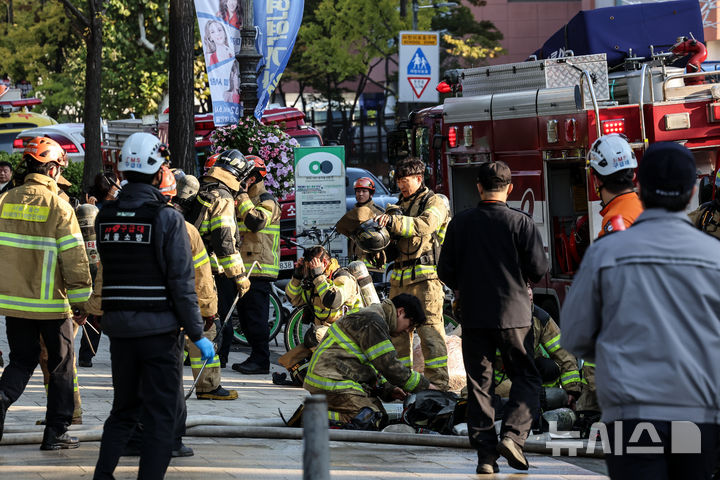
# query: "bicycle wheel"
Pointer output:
{"type": "Point", "coordinates": [294, 329]}
{"type": "Point", "coordinates": [450, 323]}
{"type": "Point", "coordinates": [274, 321]}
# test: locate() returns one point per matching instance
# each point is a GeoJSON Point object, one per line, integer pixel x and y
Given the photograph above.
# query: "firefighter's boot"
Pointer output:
{"type": "Point", "coordinates": [218, 394]}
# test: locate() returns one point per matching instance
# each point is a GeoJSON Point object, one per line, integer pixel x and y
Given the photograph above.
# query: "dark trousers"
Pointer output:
{"type": "Point", "coordinates": [226, 291]}
{"type": "Point", "coordinates": [87, 348]}
{"type": "Point", "coordinates": [24, 340]}
{"type": "Point", "coordinates": [515, 345]}
{"type": "Point", "coordinates": [253, 310]}
{"type": "Point", "coordinates": [666, 465]}
{"type": "Point", "coordinates": [147, 376]}
{"type": "Point", "coordinates": [547, 368]}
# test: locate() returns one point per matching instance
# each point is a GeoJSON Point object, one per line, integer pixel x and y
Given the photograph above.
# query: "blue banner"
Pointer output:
{"type": "Point", "coordinates": [220, 22]}
{"type": "Point", "coordinates": [278, 22]}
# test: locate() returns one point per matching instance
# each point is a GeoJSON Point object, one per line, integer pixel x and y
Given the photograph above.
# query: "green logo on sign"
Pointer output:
{"type": "Point", "coordinates": [317, 168]}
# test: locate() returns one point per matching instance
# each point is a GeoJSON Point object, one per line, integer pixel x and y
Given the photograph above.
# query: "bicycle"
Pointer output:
{"type": "Point", "coordinates": [277, 315]}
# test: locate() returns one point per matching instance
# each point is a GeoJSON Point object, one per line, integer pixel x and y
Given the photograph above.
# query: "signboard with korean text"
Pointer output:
{"type": "Point", "coordinates": [320, 193]}
{"type": "Point", "coordinates": [419, 65]}
{"type": "Point", "coordinates": [220, 22]}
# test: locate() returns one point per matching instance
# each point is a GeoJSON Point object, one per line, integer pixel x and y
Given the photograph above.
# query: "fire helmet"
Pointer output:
{"type": "Point", "coordinates": [235, 162]}
{"type": "Point", "coordinates": [371, 237]}
{"type": "Point", "coordinates": [611, 153]}
{"type": "Point", "coordinates": [46, 150]}
{"type": "Point", "coordinates": [141, 153]}
{"type": "Point", "coordinates": [366, 183]}
{"type": "Point", "coordinates": [168, 186]}
{"type": "Point", "coordinates": [210, 162]}
{"type": "Point", "coordinates": [187, 185]}
{"type": "Point", "coordinates": [259, 165]}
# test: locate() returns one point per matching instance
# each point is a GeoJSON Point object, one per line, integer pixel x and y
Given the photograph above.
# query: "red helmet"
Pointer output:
{"type": "Point", "coordinates": [259, 165]}
{"type": "Point", "coordinates": [46, 150]}
{"type": "Point", "coordinates": [365, 182]}
{"type": "Point", "coordinates": [211, 161]}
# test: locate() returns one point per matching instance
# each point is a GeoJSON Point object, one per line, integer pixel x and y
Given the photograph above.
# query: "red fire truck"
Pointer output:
{"type": "Point", "coordinates": [540, 117]}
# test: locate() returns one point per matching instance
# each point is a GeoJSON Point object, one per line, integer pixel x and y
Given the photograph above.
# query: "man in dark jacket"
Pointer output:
{"type": "Point", "coordinates": [489, 254]}
{"type": "Point", "coordinates": [148, 293]}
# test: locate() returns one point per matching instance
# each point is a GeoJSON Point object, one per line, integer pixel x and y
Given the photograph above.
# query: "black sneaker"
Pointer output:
{"type": "Point", "coordinates": [218, 394]}
{"type": "Point", "coordinates": [250, 368]}
{"type": "Point", "coordinates": [53, 441]}
{"type": "Point", "coordinates": [4, 405]}
{"type": "Point", "coordinates": [85, 363]}
{"type": "Point", "coordinates": [183, 451]}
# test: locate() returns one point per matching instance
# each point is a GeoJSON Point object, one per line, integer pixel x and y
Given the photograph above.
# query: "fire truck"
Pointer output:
{"type": "Point", "coordinates": [541, 117]}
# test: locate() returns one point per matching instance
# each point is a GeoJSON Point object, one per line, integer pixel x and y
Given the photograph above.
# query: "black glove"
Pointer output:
{"type": "Point", "coordinates": [299, 271]}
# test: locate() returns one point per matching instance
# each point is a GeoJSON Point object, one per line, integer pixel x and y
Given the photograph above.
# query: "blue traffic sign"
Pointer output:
{"type": "Point", "coordinates": [419, 64]}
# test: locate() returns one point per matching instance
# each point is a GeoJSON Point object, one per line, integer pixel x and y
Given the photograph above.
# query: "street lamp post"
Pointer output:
{"type": "Point", "coordinates": [247, 59]}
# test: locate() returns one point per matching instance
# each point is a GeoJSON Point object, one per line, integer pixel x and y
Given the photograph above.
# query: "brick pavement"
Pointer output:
{"type": "Point", "coordinates": [231, 458]}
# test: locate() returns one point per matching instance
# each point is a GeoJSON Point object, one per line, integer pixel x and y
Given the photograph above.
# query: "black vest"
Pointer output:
{"type": "Point", "coordinates": [132, 278]}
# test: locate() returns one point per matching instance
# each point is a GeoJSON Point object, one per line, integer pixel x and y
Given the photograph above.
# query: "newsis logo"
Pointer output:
{"type": "Point", "coordinates": [319, 163]}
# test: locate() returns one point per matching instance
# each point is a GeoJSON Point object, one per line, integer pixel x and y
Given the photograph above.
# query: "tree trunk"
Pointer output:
{"type": "Point", "coordinates": [93, 85]}
{"type": "Point", "coordinates": [182, 120]}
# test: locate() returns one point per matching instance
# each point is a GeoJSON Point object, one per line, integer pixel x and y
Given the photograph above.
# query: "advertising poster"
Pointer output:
{"type": "Point", "coordinates": [320, 192]}
{"type": "Point", "coordinates": [220, 22]}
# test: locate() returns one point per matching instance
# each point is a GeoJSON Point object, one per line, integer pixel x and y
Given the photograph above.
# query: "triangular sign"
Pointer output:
{"type": "Point", "coordinates": [418, 85]}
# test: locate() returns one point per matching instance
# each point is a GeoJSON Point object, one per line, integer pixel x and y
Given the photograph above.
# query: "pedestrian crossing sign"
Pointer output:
{"type": "Point", "coordinates": [419, 65]}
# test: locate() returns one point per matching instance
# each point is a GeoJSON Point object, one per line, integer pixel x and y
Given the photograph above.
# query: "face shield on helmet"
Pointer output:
{"type": "Point", "coordinates": [235, 162]}
{"type": "Point", "coordinates": [142, 153]}
{"type": "Point", "coordinates": [611, 153]}
{"type": "Point", "coordinates": [366, 183]}
{"type": "Point", "coordinates": [46, 150]}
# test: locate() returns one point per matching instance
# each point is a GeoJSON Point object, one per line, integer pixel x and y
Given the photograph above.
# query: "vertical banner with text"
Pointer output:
{"type": "Point", "coordinates": [220, 22]}
{"type": "Point", "coordinates": [419, 65]}
{"type": "Point", "coordinates": [320, 192]}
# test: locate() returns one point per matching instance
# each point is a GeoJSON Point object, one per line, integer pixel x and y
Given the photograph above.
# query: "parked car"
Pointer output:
{"type": "Point", "coordinates": [70, 136]}
{"type": "Point", "coordinates": [12, 123]}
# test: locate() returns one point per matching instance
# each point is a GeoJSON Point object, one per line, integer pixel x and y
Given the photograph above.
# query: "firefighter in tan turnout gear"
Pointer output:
{"type": "Point", "coordinates": [375, 261]}
{"type": "Point", "coordinates": [356, 365]}
{"type": "Point", "coordinates": [418, 224]}
{"type": "Point", "coordinates": [258, 215]}
{"type": "Point", "coordinates": [707, 215]}
{"type": "Point", "coordinates": [213, 214]}
{"type": "Point", "coordinates": [46, 272]}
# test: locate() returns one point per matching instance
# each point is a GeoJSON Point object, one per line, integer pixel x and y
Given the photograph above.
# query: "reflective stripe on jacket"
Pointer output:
{"type": "Point", "coordinates": [331, 299]}
{"type": "Point", "coordinates": [357, 355]}
{"type": "Point", "coordinates": [258, 215]}
{"type": "Point", "coordinates": [204, 280]}
{"type": "Point", "coordinates": [45, 265]}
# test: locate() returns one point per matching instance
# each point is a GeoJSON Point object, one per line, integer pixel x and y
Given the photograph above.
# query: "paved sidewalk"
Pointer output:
{"type": "Point", "coordinates": [231, 458]}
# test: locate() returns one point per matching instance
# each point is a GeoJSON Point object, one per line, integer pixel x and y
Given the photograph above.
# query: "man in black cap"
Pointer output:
{"type": "Point", "coordinates": [489, 255]}
{"type": "Point", "coordinates": [645, 307]}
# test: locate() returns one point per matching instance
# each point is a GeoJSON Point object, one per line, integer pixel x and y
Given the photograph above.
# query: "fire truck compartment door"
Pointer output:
{"type": "Point", "coordinates": [556, 101]}
{"type": "Point", "coordinates": [514, 105]}
{"type": "Point", "coordinates": [467, 109]}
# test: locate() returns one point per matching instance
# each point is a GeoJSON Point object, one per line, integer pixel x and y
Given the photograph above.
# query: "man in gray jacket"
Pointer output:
{"type": "Point", "coordinates": [645, 307]}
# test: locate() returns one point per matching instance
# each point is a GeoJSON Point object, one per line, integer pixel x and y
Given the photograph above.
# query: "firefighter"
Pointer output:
{"type": "Point", "coordinates": [707, 215]}
{"type": "Point", "coordinates": [375, 262]}
{"type": "Point", "coordinates": [258, 216]}
{"type": "Point", "coordinates": [418, 223]}
{"type": "Point", "coordinates": [213, 214]}
{"type": "Point", "coordinates": [148, 294]}
{"type": "Point", "coordinates": [327, 292]}
{"type": "Point", "coordinates": [361, 343]}
{"type": "Point", "coordinates": [612, 165]}
{"type": "Point", "coordinates": [208, 387]}
{"type": "Point", "coordinates": [46, 273]}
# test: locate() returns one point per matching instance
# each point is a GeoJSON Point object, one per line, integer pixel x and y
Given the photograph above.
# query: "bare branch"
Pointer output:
{"type": "Point", "coordinates": [82, 19]}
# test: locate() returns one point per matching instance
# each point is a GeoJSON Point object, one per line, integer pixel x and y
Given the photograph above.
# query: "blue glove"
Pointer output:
{"type": "Point", "coordinates": [206, 348]}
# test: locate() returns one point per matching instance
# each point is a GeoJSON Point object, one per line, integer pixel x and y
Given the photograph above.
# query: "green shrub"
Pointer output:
{"type": "Point", "coordinates": [74, 174]}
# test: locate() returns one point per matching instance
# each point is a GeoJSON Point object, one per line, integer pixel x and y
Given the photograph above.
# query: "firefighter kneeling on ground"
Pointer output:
{"type": "Point", "coordinates": [557, 366]}
{"type": "Point", "coordinates": [418, 224]}
{"type": "Point", "coordinates": [356, 366]}
{"type": "Point", "coordinates": [326, 292]}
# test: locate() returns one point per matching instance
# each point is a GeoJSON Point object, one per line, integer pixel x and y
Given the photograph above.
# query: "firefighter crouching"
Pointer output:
{"type": "Point", "coordinates": [707, 215]}
{"type": "Point", "coordinates": [46, 272]}
{"type": "Point", "coordinates": [327, 292]}
{"type": "Point", "coordinates": [356, 365]}
{"type": "Point", "coordinates": [213, 214]}
{"type": "Point", "coordinates": [418, 224]}
{"type": "Point", "coordinates": [258, 217]}
{"type": "Point", "coordinates": [208, 387]}
{"type": "Point", "coordinates": [148, 294]}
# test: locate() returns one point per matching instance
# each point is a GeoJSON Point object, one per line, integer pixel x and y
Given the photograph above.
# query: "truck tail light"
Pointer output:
{"type": "Point", "coordinates": [18, 143]}
{"type": "Point", "coordinates": [443, 87]}
{"type": "Point", "coordinates": [452, 137]}
{"type": "Point", "coordinates": [65, 143]}
{"type": "Point", "coordinates": [613, 126]}
{"type": "Point", "coordinates": [714, 113]}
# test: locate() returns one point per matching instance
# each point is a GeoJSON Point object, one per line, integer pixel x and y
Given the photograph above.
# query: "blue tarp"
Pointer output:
{"type": "Point", "coordinates": [616, 30]}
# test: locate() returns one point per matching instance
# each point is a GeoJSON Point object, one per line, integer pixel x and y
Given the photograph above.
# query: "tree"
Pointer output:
{"type": "Point", "coordinates": [182, 120]}
{"type": "Point", "coordinates": [89, 27]}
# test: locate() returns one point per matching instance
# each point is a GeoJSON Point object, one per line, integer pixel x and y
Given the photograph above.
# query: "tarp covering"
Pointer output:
{"type": "Point", "coordinates": [616, 30]}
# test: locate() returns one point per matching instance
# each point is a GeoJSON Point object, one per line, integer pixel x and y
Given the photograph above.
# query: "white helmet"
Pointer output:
{"type": "Point", "coordinates": [141, 153]}
{"type": "Point", "coordinates": [611, 153]}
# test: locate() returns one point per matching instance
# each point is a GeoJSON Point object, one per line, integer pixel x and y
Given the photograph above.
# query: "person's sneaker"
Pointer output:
{"type": "Point", "coordinates": [85, 363]}
{"type": "Point", "coordinates": [513, 454]}
{"type": "Point", "coordinates": [4, 405]}
{"type": "Point", "coordinates": [53, 441]}
{"type": "Point", "coordinates": [218, 394]}
{"type": "Point", "coordinates": [250, 368]}
{"type": "Point", "coordinates": [487, 468]}
{"type": "Point", "coordinates": [183, 451]}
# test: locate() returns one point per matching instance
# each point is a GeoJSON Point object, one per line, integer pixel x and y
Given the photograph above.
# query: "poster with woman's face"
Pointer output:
{"type": "Point", "coordinates": [220, 22]}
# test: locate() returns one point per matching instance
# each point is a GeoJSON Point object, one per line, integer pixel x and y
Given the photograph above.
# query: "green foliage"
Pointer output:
{"type": "Point", "coordinates": [268, 142]}
{"type": "Point", "coordinates": [13, 158]}
{"type": "Point", "coordinates": [74, 174]}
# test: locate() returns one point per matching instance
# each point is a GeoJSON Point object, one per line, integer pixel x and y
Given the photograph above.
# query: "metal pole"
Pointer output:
{"type": "Point", "coordinates": [248, 58]}
{"type": "Point", "coordinates": [316, 439]}
{"type": "Point", "coordinates": [415, 9]}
